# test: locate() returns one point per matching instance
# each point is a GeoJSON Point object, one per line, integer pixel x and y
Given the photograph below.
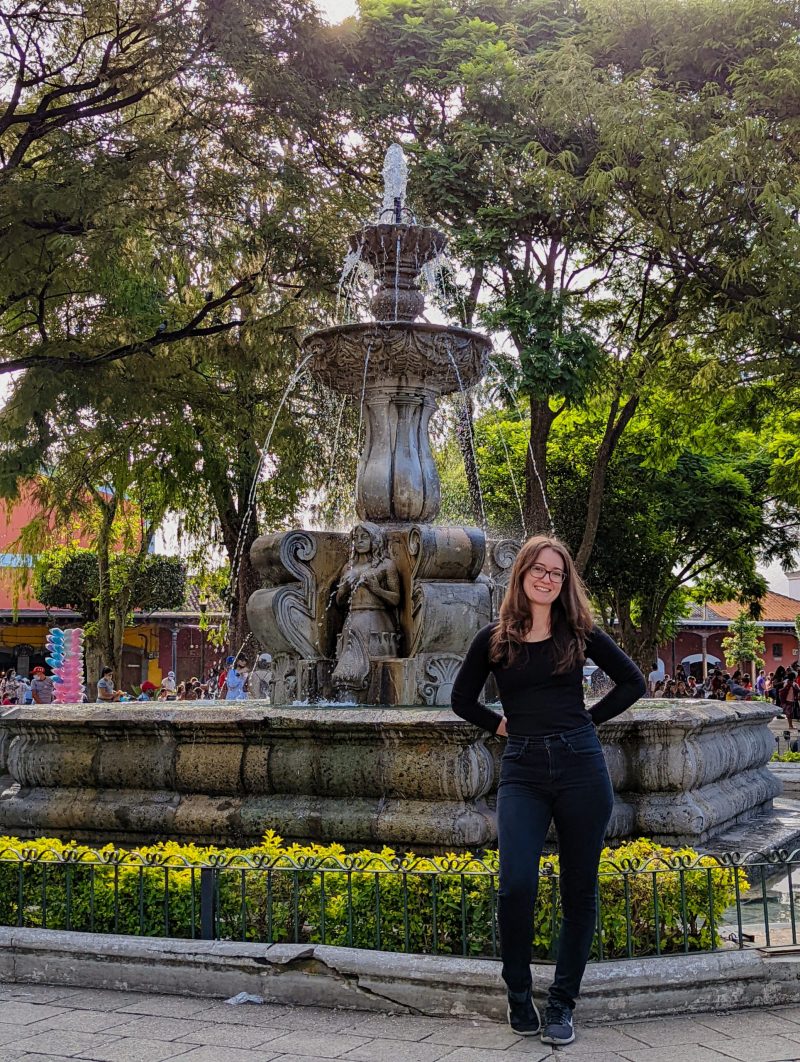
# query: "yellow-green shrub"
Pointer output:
{"type": "Point", "coordinates": [369, 899]}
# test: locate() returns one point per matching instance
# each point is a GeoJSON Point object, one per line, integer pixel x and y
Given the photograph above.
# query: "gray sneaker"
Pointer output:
{"type": "Point", "coordinates": [557, 1027]}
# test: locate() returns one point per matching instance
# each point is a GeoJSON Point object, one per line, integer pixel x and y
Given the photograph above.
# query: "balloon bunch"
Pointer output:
{"type": "Point", "coordinates": [66, 660]}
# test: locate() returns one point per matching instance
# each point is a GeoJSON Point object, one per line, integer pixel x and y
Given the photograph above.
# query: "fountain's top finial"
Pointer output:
{"type": "Point", "coordinates": [395, 181]}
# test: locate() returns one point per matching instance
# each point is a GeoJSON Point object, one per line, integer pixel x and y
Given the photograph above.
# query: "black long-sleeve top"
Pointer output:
{"type": "Point", "coordinates": [535, 700]}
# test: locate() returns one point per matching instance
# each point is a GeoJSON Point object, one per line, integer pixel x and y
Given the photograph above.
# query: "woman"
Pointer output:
{"type": "Point", "coordinates": [236, 682]}
{"type": "Point", "coordinates": [552, 768]}
{"type": "Point", "coordinates": [777, 684]}
{"type": "Point", "coordinates": [789, 698]}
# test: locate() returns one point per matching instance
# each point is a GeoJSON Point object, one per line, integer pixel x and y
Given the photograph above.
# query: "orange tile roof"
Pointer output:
{"type": "Point", "coordinates": [773, 607]}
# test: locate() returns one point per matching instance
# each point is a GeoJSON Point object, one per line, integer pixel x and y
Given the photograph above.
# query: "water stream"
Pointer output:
{"type": "Point", "coordinates": [250, 504]}
{"type": "Point", "coordinates": [510, 391]}
{"type": "Point", "coordinates": [468, 419]}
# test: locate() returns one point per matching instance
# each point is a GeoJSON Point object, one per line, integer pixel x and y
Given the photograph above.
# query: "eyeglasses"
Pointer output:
{"type": "Point", "coordinates": [555, 575]}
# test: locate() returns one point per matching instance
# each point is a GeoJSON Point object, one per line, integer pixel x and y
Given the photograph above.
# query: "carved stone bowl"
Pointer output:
{"type": "Point", "coordinates": [382, 245]}
{"type": "Point", "coordinates": [439, 358]}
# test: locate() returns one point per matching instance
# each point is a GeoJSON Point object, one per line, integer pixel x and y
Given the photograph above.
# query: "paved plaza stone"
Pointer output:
{"type": "Point", "coordinates": [41, 1023]}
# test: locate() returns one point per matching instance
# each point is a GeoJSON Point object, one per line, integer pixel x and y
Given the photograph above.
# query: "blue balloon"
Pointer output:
{"type": "Point", "coordinates": [58, 680]}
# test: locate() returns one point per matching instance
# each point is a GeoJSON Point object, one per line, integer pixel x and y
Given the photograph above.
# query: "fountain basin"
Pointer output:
{"type": "Point", "coordinates": [438, 358]}
{"type": "Point", "coordinates": [407, 777]}
{"type": "Point", "coordinates": [385, 244]}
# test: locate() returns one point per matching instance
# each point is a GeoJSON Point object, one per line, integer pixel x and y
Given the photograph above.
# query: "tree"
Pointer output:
{"type": "Point", "coordinates": [69, 577]}
{"type": "Point", "coordinates": [616, 176]}
{"type": "Point", "coordinates": [697, 527]}
{"type": "Point", "coordinates": [173, 162]}
{"type": "Point", "coordinates": [745, 643]}
{"type": "Point", "coordinates": [686, 517]}
{"type": "Point", "coordinates": [501, 446]}
{"type": "Point", "coordinates": [109, 108]}
{"type": "Point", "coordinates": [107, 480]}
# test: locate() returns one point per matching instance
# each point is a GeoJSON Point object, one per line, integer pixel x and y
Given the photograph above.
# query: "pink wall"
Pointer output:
{"type": "Point", "coordinates": [688, 643]}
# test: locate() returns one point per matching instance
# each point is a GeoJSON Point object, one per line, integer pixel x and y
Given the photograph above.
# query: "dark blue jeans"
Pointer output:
{"type": "Point", "coordinates": [563, 778]}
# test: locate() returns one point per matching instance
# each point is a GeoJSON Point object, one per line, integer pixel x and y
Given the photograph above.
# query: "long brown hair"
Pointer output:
{"type": "Point", "coordinates": [570, 614]}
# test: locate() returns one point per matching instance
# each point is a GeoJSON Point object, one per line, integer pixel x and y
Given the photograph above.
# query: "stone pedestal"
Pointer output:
{"type": "Point", "coordinates": [409, 778]}
{"type": "Point", "coordinates": [444, 600]}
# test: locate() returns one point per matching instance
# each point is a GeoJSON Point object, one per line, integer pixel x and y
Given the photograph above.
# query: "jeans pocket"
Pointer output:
{"type": "Point", "coordinates": [585, 746]}
{"type": "Point", "coordinates": [514, 750]}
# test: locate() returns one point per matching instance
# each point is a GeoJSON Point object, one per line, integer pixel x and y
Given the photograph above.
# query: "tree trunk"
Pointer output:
{"type": "Point", "coordinates": [105, 639]}
{"type": "Point", "coordinates": [246, 579]}
{"type": "Point", "coordinates": [614, 428]}
{"type": "Point", "coordinates": [247, 583]}
{"type": "Point", "coordinates": [119, 617]}
{"type": "Point", "coordinates": [465, 434]}
{"type": "Point", "coordinates": [640, 643]}
{"type": "Point", "coordinates": [94, 661]}
{"type": "Point", "coordinates": [537, 515]}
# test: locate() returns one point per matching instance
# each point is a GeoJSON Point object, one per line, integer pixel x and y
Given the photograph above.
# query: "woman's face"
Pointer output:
{"type": "Point", "coordinates": [542, 588]}
{"type": "Point", "coordinates": [361, 540]}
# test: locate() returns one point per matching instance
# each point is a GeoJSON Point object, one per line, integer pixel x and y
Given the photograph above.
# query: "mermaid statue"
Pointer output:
{"type": "Point", "coordinates": [370, 583]}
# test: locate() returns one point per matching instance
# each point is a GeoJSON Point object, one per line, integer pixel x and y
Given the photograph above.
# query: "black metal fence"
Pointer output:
{"type": "Point", "coordinates": [653, 906]}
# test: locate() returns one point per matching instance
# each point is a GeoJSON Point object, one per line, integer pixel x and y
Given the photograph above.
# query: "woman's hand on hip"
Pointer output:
{"type": "Point", "coordinates": [502, 730]}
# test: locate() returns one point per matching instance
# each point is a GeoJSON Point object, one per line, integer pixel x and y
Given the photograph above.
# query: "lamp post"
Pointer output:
{"type": "Point", "coordinates": [203, 603]}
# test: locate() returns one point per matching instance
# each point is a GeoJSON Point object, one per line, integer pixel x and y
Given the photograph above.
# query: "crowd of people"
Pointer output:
{"type": "Point", "coordinates": [780, 686]}
{"type": "Point", "coordinates": [227, 681]}
{"type": "Point", "coordinates": [19, 689]}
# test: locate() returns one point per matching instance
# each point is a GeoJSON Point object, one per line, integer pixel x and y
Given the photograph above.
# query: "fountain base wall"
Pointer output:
{"type": "Point", "coordinates": [408, 778]}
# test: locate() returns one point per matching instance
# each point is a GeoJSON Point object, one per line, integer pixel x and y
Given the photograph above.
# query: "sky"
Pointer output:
{"type": "Point", "coordinates": [337, 10]}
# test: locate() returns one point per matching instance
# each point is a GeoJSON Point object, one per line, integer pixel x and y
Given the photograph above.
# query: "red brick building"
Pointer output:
{"type": "Point", "coordinates": [701, 635]}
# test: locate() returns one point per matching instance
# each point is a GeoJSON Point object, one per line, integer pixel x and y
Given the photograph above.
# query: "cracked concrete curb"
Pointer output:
{"type": "Point", "coordinates": [318, 975]}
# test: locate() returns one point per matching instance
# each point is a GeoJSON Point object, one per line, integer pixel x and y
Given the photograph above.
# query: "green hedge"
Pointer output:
{"type": "Point", "coordinates": [652, 898]}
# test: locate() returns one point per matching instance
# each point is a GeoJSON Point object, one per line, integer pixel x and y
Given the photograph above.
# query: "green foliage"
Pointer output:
{"type": "Point", "coordinates": [744, 642]}
{"type": "Point", "coordinates": [613, 175]}
{"type": "Point", "coordinates": [786, 757]}
{"type": "Point", "coordinates": [157, 583]}
{"type": "Point", "coordinates": [501, 447]}
{"type": "Point", "coordinates": [444, 904]}
{"type": "Point", "coordinates": [679, 521]}
{"type": "Point", "coordinates": [68, 577]}
{"type": "Point", "coordinates": [559, 356]}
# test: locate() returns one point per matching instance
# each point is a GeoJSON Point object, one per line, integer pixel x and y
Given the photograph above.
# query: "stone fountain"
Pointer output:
{"type": "Point", "coordinates": [385, 614]}
{"type": "Point", "coordinates": [376, 621]}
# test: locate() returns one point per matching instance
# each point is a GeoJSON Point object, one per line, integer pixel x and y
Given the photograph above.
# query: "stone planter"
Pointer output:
{"type": "Point", "coordinates": [409, 778]}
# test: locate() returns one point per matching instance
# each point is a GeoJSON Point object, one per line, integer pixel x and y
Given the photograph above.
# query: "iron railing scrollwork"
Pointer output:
{"type": "Point", "coordinates": [653, 905]}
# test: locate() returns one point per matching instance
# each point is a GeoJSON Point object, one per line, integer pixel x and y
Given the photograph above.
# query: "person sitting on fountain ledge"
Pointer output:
{"type": "Point", "coordinates": [552, 767]}
{"type": "Point", "coordinates": [105, 686]}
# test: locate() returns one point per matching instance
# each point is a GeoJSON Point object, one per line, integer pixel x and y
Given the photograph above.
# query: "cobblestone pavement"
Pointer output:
{"type": "Point", "coordinates": [43, 1024]}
